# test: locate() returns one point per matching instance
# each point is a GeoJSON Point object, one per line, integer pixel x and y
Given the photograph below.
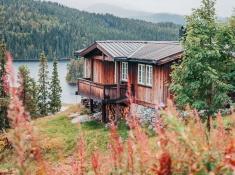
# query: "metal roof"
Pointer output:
{"type": "Point", "coordinates": [157, 51]}
{"type": "Point", "coordinates": [136, 50]}
{"type": "Point", "coordinates": [120, 48]}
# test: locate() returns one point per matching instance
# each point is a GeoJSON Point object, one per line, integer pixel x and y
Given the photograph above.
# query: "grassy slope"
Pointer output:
{"type": "Point", "coordinates": [57, 138]}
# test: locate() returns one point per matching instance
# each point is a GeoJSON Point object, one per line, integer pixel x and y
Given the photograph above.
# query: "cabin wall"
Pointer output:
{"type": "Point", "coordinates": [108, 72]}
{"type": "Point", "coordinates": [100, 71]}
{"type": "Point", "coordinates": [158, 93]}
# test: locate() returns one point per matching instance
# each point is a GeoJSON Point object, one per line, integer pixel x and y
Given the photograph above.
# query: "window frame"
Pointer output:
{"type": "Point", "coordinates": [141, 74]}
{"type": "Point", "coordinates": [149, 75]}
{"type": "Point", "coordinates": [124, 71]}
{"type": "Point", "coordinates": [145, 75]}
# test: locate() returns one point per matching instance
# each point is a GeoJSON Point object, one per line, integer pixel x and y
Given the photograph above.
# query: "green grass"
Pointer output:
{"type": "Point", "coordinates": [97, 135]}
{"type": "Point", "coordinates": [57, 137]}
{"type": "Point", "coordinates": [62, 129]}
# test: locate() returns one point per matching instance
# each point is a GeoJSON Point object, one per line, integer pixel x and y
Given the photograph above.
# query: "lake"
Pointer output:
{"type": "Point", "coordinates": [68, 91]}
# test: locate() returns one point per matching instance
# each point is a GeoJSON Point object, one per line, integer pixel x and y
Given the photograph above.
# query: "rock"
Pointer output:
{"type": "Point", "coordinates": [97, 116]}
{"type": "Point", "coordinates": [147, 116]}
{"type": "Point", "coordinates": [73, 115]}
{"type": "Point", "coordinates": [81, 119]}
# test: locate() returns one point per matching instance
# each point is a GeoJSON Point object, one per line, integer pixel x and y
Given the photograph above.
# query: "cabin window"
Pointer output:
{"type": "Point", "coordinates": [141, 74]}
{"type": "Point", "coordinates": [124, 71]}
{"type": "Point", "coordinates": [145, 74]}
{"type": "Point", "coordinates": [149, 75]}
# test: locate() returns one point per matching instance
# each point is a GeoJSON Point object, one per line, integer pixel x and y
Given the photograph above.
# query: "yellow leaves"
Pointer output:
{"type": "Point", "coordinates": [4, 143]}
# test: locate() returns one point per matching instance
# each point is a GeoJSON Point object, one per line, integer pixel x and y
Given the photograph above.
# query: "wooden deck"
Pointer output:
{"type": "Point", "coordinates": [108, 93]}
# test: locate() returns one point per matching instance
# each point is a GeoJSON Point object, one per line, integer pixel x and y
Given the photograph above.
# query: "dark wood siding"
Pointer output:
{"type": "Point", "coordinates": [103, 71]}
{"type": "Point", "coordinates": [158, 93]}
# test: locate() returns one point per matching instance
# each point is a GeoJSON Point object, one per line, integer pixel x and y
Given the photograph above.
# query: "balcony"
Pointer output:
{"type": "Point", "coordinates": [102, 92]}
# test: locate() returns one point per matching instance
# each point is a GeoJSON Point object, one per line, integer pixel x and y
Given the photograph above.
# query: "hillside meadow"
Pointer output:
{"type": "Point", "coordinates": [175, 146]}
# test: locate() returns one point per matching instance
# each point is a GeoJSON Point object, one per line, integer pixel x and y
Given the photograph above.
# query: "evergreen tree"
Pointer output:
{"type": "Point", "coordinates": [34, 98]}
{"type": "Point", "coordinates": [27, 90]}
{"type": "Point", "coordinates": [55, 90]}
{"type": "Point", "coordinates": [75, 71]}
{"type": "Point", "coordinates": [203, 79]}
{"type": "Point", "coordinates": [4, 122]}
{"type": "Point", "coordinates": [60, 30]}
{"type": "Point", "coordinates": [43, 83]}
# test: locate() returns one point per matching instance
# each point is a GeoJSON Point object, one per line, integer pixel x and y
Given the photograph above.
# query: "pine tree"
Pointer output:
{"type": "Point", "coordinates": [4, 122]}
{"type": "Point", "coordinates": [27, 90]}
{"type": "Point", "coordinates": [43, 83]}
{"type": "Point", "coordinates": [55, 90]}
{"type": "Point", "coordinates": [34, 98]}
{"type": "Point", "coordinates": [202, 80]}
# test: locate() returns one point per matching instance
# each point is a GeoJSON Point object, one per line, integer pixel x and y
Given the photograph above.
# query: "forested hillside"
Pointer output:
{"type": "Point", "coordinates": [32, 26]}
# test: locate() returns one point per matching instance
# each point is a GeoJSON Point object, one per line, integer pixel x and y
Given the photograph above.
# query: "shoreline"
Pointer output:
{"type": "Point", "coordinates": [60, 60]}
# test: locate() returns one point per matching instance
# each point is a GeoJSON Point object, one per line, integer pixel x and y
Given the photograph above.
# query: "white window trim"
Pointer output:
{"type": "Point", "coordinates": [115, 72]}
{"type": "Point", "coordinates": [149, 75]}
{"type": "Point", "coordinates": [141, 74]}
{"type": "Point", "coordinates": [124, 71]}
{"type": "Point", "coordinates": [145, 75]}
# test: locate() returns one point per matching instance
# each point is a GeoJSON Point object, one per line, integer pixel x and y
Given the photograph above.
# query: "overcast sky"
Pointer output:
{"type": "Point", "coordinates": [223, 7]}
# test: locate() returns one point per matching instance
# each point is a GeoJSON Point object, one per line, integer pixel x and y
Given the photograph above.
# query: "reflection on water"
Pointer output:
{"type": "Point", "coordinates": [68, 91]}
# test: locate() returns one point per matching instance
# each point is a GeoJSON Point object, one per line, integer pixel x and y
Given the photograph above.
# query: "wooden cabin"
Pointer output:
{"type": "Point", "coordinates": [117, 71]}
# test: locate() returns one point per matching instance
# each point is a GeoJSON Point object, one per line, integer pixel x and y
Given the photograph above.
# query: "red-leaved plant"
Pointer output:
{"type": "Point", "coordinates": [178, 146]}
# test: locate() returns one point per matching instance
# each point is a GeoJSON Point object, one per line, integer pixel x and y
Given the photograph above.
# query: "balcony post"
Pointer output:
{"type": "Point", "coordinates": [118, 78]}
{"type": "Point", "coordinates": [104, 114]}
{"type": "Point", "coordinates": [91, 105]}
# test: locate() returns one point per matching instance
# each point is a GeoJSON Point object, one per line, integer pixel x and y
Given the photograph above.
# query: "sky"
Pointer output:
{"type": "Point", "coordinates": [224, 8]}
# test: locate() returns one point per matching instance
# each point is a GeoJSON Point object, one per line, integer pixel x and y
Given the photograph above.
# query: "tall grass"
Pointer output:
{"type": "Point", "coordinates": [178, 146]}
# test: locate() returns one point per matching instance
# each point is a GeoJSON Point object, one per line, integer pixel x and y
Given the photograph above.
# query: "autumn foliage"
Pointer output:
{"type": "Point", "coordinates": [177, 146]}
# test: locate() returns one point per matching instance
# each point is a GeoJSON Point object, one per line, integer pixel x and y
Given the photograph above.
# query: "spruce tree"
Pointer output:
{"type": "Point", "coordinates": [27, 90]}
{"type": "Point", "coordinates": [4, 122]}
{"type": "Point", "coordinates": [43, 86]}
{"type": "Point", "coordinates": [34, 98]}
{"type": "Point", "coordinates": [203, 79]}
{"type": "Point", "coordinates": [55, 90]}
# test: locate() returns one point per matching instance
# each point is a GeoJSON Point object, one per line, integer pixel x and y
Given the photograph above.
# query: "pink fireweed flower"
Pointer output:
{"type": "Point", "coordinates": [96, 163]}
{"type": "Point", "coordinates": [22, 137]}
{"type": "Point", "coordinates": [78, 162]}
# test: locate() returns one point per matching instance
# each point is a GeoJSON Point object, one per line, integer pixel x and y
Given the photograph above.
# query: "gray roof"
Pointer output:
{"type": "Point", "coordinates": [135, 50]}
{"type": "Point", "coordinates": [120, 48]}
{"type": "Point", "coordinates": [157, 51]}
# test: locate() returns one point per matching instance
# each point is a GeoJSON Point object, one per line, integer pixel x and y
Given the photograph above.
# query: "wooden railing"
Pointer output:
{"type": "Point", "coordinates": [100, 91]}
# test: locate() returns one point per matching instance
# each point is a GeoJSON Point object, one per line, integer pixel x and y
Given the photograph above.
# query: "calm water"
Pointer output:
{"type": "Point", "coordinates": [68, 91]}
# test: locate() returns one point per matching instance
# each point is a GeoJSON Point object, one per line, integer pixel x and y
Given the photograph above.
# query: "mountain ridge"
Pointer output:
{"type": "Point", "coordinates": [31, 27]}
{"type": "Point", "coordinates": [103, 8]}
